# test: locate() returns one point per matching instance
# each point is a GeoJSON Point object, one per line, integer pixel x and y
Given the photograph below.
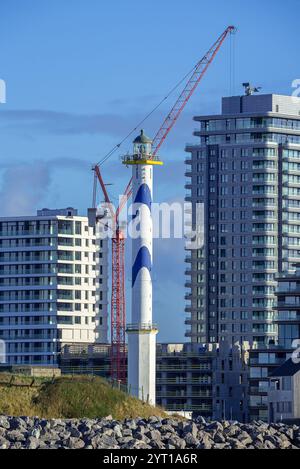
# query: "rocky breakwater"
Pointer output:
{"type": "Point", "coordinates": [154, 433]}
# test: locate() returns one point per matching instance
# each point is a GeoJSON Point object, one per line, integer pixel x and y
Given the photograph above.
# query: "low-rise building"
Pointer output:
{"type": "Point", "coordinates": [265, 360]}
{"type": "Point", "coordinates": [184, 378]}
{"type": "Point", "coordinates": [230, 382]}
{"type": "Point", "coordinates": [205, 380]}
{"type": "Point", "coordinates": [284, 392]}
{"type": "Point", "coordinates": [262, 363]}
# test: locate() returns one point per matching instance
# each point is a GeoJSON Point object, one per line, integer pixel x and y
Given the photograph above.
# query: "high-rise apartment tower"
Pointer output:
{"type": "Point", "coordinates": [245, 169]}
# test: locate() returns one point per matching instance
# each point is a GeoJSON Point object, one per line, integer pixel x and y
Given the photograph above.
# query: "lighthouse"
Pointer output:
{"type": "Point", "coordinates": [142, 332]}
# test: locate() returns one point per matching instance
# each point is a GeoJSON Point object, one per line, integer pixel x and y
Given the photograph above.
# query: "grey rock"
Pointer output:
{"type": "Point", "coordinates": [269, 445]}
{"type": "Point", "coordinates": [75, 433]}
{"type": "Point", "coordinates": [32, 443]}
{"type": "Point", "coordinates": [220, 446]}
{"type": "Point", "coordinates": [76, 443]}
{"type": "Point", "coordinates": [205, 442]}
{"type": "Point", "coordinates": [157, 444]}
{"type": "Point", "coordinates": [104, 441]}
{"type": "Point", "coordinates": [258, 444]}
{"type": "Point", "coordinates": [4, 444]}
{"type": "Point", "coordinates": [142, 437]}
{"type": "Point", "coordinates": [201, 420]}
{"type": "Point", "coordinates": [17, 424]}
{"type": "Point", "coordinates": [191, 441]}
{"type": "Point", "coordinates": [125, 440]}
{"type": "Point", "coordinates": [179, 443]}
{"type": "Point", "coordinates": [4, 422]}
{"type": "Point", "coordinates": [167, 429]}
{"type": "Point", "coordinates": [168, 446]}
{"type": "Point", "coordinates": [245, 438]}
{"type": "Point", "coordinates": [154, 435]}
{"type": "Point", "coordinates": [138, 444]}
{"type": "Point", "coordinates": [36, 432]}
{"type": "Point", "coordinates": [16, 445]}
{"type": "Point", "coordinates": [231, 430]}
{"type": "Point", "coordinates": [215, 427]}
{"type": "Point", "coordinates": [192, 429]}
{"type": "Point", "coordinates": [15, 436]}
{"type": "Point", "coordinates": [219, 438]}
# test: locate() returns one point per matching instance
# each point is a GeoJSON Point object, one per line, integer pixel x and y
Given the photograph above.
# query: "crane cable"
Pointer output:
{"type": "Point", "coordinates": [115, 148]}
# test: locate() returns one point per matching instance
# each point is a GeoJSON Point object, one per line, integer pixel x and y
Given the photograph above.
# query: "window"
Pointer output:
{"type": "Point", "coordinates": [286, 383]}
{"type": "Point", "coordinates": [78, 227]}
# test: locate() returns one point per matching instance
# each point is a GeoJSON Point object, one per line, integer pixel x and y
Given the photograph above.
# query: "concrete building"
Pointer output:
{"type": "Point", "coordinates": [284, 393]}
{"type": "Point", "coordinates": [53, 285]}
{"type": "Point", "coordinates": [185, 378]}
{"type": "Point", "coordinates": [83, 359]}
{"type": "Point", "coordinates": [264, 361]}
{"type": "Point", "coordinates": [245, 169]}
{"type": "Point", "coordinates": [210, 381]}
{"type": "Point", "coordinates": [230, 382]}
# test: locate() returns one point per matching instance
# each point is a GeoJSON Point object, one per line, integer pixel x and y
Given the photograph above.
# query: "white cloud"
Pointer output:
{"type": "Point", "coordinates": [23, 187]}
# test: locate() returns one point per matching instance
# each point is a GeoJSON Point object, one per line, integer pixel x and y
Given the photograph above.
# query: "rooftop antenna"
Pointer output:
{"type": "Point", "coordinates": [250, 90]}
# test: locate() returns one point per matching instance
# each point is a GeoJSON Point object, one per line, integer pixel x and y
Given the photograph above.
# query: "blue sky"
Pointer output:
{"type": "Point", "coordinates": [81, 73]}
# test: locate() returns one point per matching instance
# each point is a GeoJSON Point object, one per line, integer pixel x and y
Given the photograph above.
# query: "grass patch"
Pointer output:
{"type": "Point", "coordinates": [70, 397]}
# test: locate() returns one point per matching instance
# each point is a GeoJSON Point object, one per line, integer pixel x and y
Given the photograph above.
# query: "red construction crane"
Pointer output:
{"type": "Point", "coordinates": [118, 305]}
{"type": "Point", "coordinates": [118, 243]}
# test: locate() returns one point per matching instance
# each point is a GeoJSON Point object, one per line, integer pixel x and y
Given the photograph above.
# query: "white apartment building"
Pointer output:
{"type": "Point", "coordinates": [53, 285]}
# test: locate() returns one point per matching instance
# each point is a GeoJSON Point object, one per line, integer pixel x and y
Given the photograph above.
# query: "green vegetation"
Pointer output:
{"type": "Point", "coordinates": [69, 397]}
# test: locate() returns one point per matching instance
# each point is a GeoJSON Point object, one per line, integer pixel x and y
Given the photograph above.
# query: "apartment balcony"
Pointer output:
{"type": "Point", "coordinates": [184, 395]}
{"type": "Point", "coordinates": [65, 296]}
{"type": "Point", "coordinates": [66, 269]}
{"type": "Point", "coordinates": [183, 368]}
{"type": "Point", "coordinates": [23, 233]}
{"type": "Point", "coordinates": [31, 338]}
{"type": "Point", "coordinates": [184, 381]}
{"type": "Point", "coordinates": [192, 146]}
{"type": "Point", "coordinates": [68, 232]}
{"type": "Point", "coordinates": [66, 257]}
